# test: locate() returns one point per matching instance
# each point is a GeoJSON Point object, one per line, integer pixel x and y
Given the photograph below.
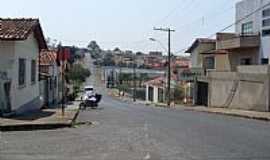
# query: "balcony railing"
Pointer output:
{"type": "Point", "coordinates": [239, 41]}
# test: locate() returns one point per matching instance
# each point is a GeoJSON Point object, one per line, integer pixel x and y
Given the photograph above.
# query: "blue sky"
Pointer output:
{"type": "Point", "coordinates": [127, 24]}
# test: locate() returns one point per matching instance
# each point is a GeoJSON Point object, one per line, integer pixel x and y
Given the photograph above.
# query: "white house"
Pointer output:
{"type": "Point", "coordinates": [257, 22]}
{"type": "Point", "coordinates": [155, 90]}
{"type": "Point", "coordinates": [21, 41]}
{"type": "Point", "coordinates": [51, 78]}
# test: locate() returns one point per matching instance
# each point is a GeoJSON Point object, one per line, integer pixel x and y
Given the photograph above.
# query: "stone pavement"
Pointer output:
{"type": "Point", "coordinates": [43, 119]}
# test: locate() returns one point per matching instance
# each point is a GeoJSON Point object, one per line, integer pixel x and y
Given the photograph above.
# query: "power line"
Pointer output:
{"type": "Point", "coordinates": [233, 24]}
{"type": "Point", "coordinates": [183, 4]}
{"type": "Point", "coordinates": [241, 19]}
{"type": "Point", "coordinates": [174, 10]}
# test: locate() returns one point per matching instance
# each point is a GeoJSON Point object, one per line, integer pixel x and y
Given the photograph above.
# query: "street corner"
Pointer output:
{"type": "Point", "coordinates": [40, 120]}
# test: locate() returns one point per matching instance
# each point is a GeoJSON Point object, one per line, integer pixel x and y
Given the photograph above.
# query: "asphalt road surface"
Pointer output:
{"type": "Point", "coordinates": [126, 131]}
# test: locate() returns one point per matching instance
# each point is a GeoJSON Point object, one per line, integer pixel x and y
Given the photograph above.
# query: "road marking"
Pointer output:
{"type": "Point", "coordinates": [148, 156]}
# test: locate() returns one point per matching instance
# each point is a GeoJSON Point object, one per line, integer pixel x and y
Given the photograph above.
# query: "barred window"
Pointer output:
{"type": "Point", "coordinates": [22, 73]}
{"type": "Point", "coordinates": [33, 71]}
{"type": "Point", "coordinates": [247, 28]}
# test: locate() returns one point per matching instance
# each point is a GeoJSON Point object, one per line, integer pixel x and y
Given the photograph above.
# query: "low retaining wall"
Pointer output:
{"type": "Point", "coordinates": [235, 90]}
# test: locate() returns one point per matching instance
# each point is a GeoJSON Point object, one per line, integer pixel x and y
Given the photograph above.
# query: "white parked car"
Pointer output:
{"type": "Point", "coordinates": [89, 97]}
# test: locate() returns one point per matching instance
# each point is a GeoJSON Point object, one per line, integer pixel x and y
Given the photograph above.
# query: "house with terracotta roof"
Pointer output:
{"type": "Point", "coordinates": [21, 41]}
{"type": "Point", "coordinates": [51, 77]}
{"type": "Point", "coordinates": [156, 89]}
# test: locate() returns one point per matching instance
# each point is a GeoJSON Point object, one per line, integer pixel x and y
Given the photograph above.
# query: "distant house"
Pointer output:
{"type": "Point", "coordinates": [156, 89]}
{"type": "Point", "coordinates": [21, 41]}
{"type": "Point", "coordinates": [154, 62]}
{"type": "Point", "coordinates": [155, 53]}
{"type": "Point", "coordinates": [51, 76]}
{"type": "Point", "coordinates": [199, 63]}
{"type": "Point", "coordinates": [199, 46]}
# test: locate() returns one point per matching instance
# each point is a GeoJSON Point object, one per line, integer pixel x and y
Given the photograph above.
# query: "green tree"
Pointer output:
{"type": "Point", "coordinates": [117, 49]}
{"type": "Point", "coordinates": [78, 73]}
{"type": "Point", "coordinates": [94, 49]}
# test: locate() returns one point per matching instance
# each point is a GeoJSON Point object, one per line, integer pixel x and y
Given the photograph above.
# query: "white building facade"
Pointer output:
{"type": "Point", "coordinates": [257, 22]}
{"type": "Point", "coordinates": [19, 50]}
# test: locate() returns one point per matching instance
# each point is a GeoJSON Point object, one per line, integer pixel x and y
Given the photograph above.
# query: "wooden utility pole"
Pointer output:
{"type": "Point", "coordinates": [134, 78]}
{"type": "Point", "coordinates": [169, 62]}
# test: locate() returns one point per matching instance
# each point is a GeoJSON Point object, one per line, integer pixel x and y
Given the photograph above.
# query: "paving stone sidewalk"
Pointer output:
{"type": "Point", "coordinates": [43, 119]}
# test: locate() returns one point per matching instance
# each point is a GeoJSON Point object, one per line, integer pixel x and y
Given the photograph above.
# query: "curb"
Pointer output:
{"type": "Point", "coordinates": [232, 115]}
{"type": "Point", "coordinates": [32, 127]}
{"type": "Point", "coordinates": [41, 126]}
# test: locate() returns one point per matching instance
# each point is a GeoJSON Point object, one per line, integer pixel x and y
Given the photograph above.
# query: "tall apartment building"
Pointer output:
{"type": "Point", "coordinates": [257, 23]}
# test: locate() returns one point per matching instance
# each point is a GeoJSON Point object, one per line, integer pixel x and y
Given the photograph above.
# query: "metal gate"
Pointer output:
{"type": "Point", "coordinates": [202, 94]}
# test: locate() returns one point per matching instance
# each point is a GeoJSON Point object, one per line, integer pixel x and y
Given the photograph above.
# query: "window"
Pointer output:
{"type": "Point", "coordinates": [160, 95]}
{"type": "Point", "coordinates": [265, 61]}
{"type": "Point", "coordinates": [33, 71]}
{"type": "Point", "coordinates": [245, 61]}
{"type": "Point", "coordinates": [210, 63]}
{"type": "Point", "coordinates": [266, 12]}
{"type": "Point", "coordinates": [55, 82]}
{"type": "Point", "coordinates": [266, 32]}
{"type": "Point", "coordinates": [266, 22]}
{"type": "Point", "coordinates": [51, 83]}
{"type": "Point", "coordinates": [151, 94]}
{"type": "Point", "coordinates": [247, 28]}
{"type": "Point", "coordinates": [22, 68]}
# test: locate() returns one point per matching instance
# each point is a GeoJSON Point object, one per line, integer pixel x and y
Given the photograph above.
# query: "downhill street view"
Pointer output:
{"type": "Point", "coordinates": [135, 80]}
{"type": "Point", "coordinates": [124, 130]}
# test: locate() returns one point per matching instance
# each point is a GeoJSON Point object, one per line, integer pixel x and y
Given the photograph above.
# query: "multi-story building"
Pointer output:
{"type": "Point", "coordinates": [257, 22]}
{"type": "Point", "coordinates": [237, 75]}
{"type": "Point", "coordinates": [249, 44]}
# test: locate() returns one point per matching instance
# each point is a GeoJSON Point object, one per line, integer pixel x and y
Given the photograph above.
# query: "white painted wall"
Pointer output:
{"type": "Point", "coordinates": [27, 49]}
{"type": "Point", "coordinates": [246, 7]}
{"type": "Point", "coordinates": [155, 94]}
{"type": "Point", "coordinates": [7, 57]}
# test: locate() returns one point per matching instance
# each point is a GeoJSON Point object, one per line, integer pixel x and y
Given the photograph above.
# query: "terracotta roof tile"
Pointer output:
{"type": "Point", "coordinates": [20, 29]}
{"type": "Point", "coordinates": [197, 41]}
{"type": "Point", "coordinates": [47, 57]}
{"type": "Point", "coordinates": [160, 81]}
{"type": "Point", "coordinates": [16, 29]}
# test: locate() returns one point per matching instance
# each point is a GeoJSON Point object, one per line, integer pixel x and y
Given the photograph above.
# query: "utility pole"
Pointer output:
{"type": "Point", "coordinates": [169, 62]}
{"type": "Point", "coordinates": [134, 78]}
{"type": "Point", "coordinates": [63, 91]}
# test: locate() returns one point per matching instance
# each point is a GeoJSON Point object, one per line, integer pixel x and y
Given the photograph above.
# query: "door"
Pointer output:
{"type": "Point", "coordinates": [151, 94]}
{"type": "Point", "coordinates": [202, 96]}
{"type": "Point", "coordinates": [7, 87]}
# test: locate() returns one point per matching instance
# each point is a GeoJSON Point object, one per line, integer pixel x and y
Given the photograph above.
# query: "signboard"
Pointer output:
{"type": "Point", "coordinates": [190, 74]}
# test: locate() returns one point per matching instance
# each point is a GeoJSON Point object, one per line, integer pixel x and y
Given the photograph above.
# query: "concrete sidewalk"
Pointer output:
{"type": "Point", "coordinates": [231, 112]}
{"type": "Point", "coordinates": [43, 119]}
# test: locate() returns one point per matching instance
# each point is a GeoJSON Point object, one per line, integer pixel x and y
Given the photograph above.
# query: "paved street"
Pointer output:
{"type": "Point", "coordinates": [124, 131]}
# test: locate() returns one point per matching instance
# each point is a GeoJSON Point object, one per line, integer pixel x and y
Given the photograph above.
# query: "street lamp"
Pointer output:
{"type": "Point", "coordinates": [160, 43]}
